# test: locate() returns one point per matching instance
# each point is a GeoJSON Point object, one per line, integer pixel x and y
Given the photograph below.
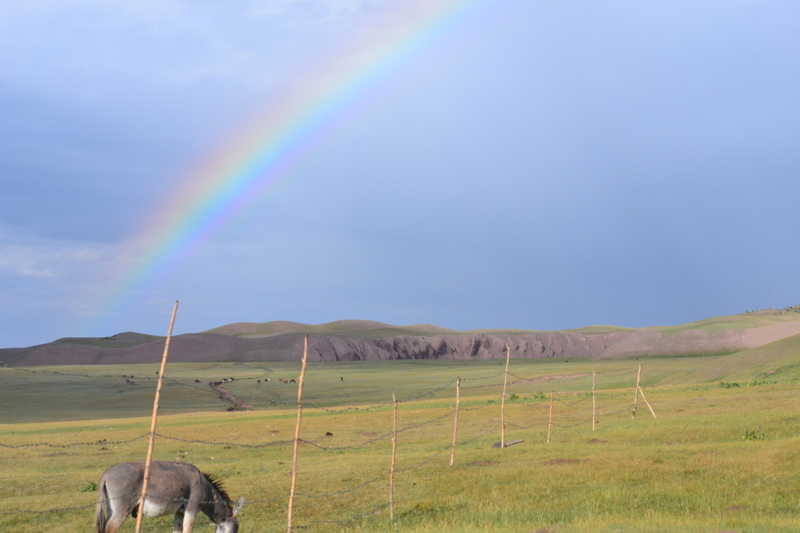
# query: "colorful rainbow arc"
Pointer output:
{"type": "Point", "coordinates": [254, 163]}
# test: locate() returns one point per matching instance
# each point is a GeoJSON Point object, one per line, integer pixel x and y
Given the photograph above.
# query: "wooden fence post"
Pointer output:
{"type": "Point", "coordinates": [455, 423]}
{"type": "Point", "coordinates": [150, 445]}
{"type": "Point", "coordinates": [394, 456]}
{"type": "Point", "coordinates": [297, 435]}
{"type": "Point", "coordinates": [636, 392]}
{"type": "Point", "coordinates": [648, 403]}
{"type": "Point", "coordinates": [503, 402]}
{"type": "Point", "coordinates": [594, 401]}
{"type": "Point", "coordinates": [550, 419]}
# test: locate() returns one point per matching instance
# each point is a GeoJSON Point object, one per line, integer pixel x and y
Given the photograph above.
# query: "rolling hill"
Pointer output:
{"type": "Point", "coordinates": [353, 340]}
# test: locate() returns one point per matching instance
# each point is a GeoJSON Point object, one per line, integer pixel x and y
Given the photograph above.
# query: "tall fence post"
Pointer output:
{"type": "Point", "coordinates": [394, 457]}
{"type": "Point", "coordinates": [550, 418]}
{"type": "Point", "coordinates": [594, 401]}
{"type": "Point", "coordinates": [148, 460]}
{"type": "Point", "coordinates": [636, 392]}
{"type": "Point", "coordinates": [455, 423]}
{"type": "Point", "coordinates": [297, 435]}
{"type": "Point", "coordinates": [503, 402]}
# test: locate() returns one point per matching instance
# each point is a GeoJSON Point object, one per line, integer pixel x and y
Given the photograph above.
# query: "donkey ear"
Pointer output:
{"type": "Point", "coordinates": [238, 506]}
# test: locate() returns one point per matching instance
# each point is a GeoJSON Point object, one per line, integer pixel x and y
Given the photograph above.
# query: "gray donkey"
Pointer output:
{"type": "Point", "coordinates": [173, 487]}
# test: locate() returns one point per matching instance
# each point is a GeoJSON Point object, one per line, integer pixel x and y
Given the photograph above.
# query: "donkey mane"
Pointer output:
{"type": "Point", "coordinates": [217, 484]}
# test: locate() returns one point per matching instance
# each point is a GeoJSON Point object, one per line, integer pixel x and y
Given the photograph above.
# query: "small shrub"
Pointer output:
{"type": "Point", "coordinates": [757, 382]}
{"type": "Point", "coordinates": [753, 434]}
{"type": "Point", "coordinates": [728, 385]}
{"type": "Point", "coordinates": [536, 397]}
{"type": "Point", "coordinates": [89, 486]}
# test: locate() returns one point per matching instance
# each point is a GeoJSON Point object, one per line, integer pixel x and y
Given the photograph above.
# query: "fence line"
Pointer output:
{"type": "Point", "coordinates": [105, 442]}
{"type": "Point", "coordinates": [517, 427]}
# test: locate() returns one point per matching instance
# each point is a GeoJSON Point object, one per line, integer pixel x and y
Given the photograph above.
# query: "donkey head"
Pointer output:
{"type": "Point", "coordinates": [231, 525]}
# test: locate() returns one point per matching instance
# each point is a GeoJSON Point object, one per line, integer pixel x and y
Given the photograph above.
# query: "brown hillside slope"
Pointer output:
{"type": "Point", "coordinates": [358, 340]}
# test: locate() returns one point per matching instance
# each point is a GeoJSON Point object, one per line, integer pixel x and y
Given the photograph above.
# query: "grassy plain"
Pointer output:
{"type": "Point", "coordinates": [717, 458]}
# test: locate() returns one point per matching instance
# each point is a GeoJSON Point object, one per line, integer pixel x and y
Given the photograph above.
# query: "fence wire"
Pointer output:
{"type": "Point", "coordinates": [477, 383]}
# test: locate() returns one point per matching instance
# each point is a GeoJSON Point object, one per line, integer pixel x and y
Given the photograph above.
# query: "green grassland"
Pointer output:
{"type": "Point", "coordinates": [722, 454]}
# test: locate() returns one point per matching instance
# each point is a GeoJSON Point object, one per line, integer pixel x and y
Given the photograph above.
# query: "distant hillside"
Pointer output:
{"type": "Point", "coordinates": [354, 340]}
{"type": "Point", "coordinates": [362, 328]}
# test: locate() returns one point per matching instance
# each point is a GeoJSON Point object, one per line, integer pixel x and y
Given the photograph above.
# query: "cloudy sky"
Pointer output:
{"type": "Point", "coordinates": [528, 164]}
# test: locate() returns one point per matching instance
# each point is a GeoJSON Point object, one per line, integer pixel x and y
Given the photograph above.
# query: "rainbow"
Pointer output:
{"type": "Point", "coordinates": [255, 163]}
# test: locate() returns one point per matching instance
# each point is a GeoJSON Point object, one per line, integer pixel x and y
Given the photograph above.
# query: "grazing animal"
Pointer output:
{"type": "Point", "coordinates": [173, 487]}
{"type": "Point", "coordinates": [292, 381]}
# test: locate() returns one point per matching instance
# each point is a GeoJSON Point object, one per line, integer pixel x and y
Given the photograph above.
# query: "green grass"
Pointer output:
{"type": "Point", "coordinates": [692, 469]}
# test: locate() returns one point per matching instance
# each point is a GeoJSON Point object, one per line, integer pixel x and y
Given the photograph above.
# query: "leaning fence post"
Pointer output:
{"type": "Point", "coordinates": [550, 419]}
{"type": "Point", "coordinates": [148, 460]}
{"type": "Point", "coordinates": [394, 456]}
{"type": "Point", "coordinates": [648, 403]}
{"type": "Point", "coordinates": [636, 393]}
{"type": "Point", "coordinates": [297, 434]}
{"type": "Point", "coordinates": [455, 423]}
{"type": "Point", "coordinates": [503, 402]}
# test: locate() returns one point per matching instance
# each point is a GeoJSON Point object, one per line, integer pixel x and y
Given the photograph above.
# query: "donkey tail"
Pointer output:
{"type": "Point", "coordinates": [100, 519]}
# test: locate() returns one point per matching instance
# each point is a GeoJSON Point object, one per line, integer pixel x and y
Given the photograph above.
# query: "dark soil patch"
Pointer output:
{"type": "Point", "coordinates": [561, 461]}
{"type": "Point", "coordinates": [597, 441]}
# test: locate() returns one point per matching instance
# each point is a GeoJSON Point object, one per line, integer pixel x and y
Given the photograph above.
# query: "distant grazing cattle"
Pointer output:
{"type": "Point", "coordinates": [292, 381]}
{"type": "Point", "coordinates": [213, 384]}
{"type": "Point", "coordinates": [341, 378]}
{"type": "Point", "coordinates": [197, 381]}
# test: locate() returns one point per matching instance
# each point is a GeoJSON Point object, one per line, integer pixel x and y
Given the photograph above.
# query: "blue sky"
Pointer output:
{"type": "Point", "coordinates": [540, 165]}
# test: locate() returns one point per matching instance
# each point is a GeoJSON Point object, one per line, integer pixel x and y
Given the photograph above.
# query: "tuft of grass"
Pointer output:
{"type": "Point", "coordinates": [89, 486]}
{"type": "Point", "coordinates": [753, 434]}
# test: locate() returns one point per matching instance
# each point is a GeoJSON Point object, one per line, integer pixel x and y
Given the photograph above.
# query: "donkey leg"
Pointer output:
{"type": "Point", "coordinates": [188, 522]}
{"type": "Point", "coordinates": [114, 523]}
{"type": "Point", "coordinates": [177, 526]}
{"type": "Point", "coordinates": [118, 513]}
